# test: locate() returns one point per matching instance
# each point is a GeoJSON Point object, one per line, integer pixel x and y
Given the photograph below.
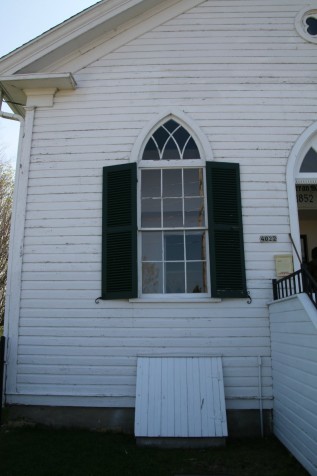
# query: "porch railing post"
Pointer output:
{"type": "Point", "coordinates": [275, 293]}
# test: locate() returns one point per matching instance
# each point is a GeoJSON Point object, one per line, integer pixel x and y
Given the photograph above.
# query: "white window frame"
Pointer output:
{"type": "Point", "coordinates": [300, 22]}
{"type": "Point", "coordinates": [306, 177]}
{"type": "Point", "coordinates": [171, 164]}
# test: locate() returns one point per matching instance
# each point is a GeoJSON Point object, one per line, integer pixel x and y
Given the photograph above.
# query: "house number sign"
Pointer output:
{"type": "Point", "coordinates": [268, 238]}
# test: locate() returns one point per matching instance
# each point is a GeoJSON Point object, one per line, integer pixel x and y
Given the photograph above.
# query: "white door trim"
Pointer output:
{"type": "Point", "coordinates": [295, 159]}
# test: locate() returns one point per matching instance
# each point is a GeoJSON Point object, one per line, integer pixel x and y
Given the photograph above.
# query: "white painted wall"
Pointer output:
{"type": "Point", "coordinates": [250, 87]}
{"type": "Point", "coordinates": [294, 362]}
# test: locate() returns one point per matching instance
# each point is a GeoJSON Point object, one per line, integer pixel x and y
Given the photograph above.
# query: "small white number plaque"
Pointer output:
{"type": "Point", "coordinates": [268, 238]}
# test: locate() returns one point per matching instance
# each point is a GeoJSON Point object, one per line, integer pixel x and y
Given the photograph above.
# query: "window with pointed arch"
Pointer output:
{"type": "Point", "coordinates": [172, 223]}
{"type": "Point", "coordinates": [172, 219]}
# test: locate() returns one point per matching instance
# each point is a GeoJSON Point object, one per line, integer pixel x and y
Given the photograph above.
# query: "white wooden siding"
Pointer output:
{"type": "Point", "coordinates": [241, 82]}
{"type": "Point", "coordinates": [180, 397]}
{"type": "Point", "coordinates": [294, 362]}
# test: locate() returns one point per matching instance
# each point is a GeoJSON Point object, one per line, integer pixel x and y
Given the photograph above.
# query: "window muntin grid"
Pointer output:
{"type": "Point", "coordinates": [173, 225]}
{"type": "Point", "coordinates": [172, 198]}
{"type": "Point", "coordinates": [172, 218]}
{"type": "Point", "coordinates": [171, 141]}
{"type": "Point", "coordinates": [178, 263]}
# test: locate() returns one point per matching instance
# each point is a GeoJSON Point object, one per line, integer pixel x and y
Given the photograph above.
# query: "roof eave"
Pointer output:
{"type": "Point", "coordinates": [72, 35]}
{"type": "Point", "coordinates": [13, 86]}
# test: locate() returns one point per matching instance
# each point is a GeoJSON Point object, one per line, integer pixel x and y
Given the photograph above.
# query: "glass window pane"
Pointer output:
{"type": "Point", "coordinates": [152, 277]}
{"type": "Point", "coordinates": [309, 163]}
{"type": "Point", "coordinates": [152, 246]}
{"type": "Point", "coordinates": [191, 150]}
{"type": "Point", "coordinates": [151, 213]}
{"type": "Point", "coordinates": [150, 151]}
{"type": "Point", "coordinates": [174, 246]}
{"type": "Point", "coordinates": [195, 245]}
{"type": "Point", "coordinates": [175, 277]}
{"type": "Point", "coordinates": [171, 125]}
{"type": "Point", "coordinates": [173, 261]}
{"type": "Point", "coordinates": [311, 25]}
{"type": "Point", "coordinates": [181, 136]}
{"type": "Point", "coordinates": [196, 278]}
{"type": "Point", "coordinates": [172, 183]}
{"type": "Point", "coordinates": [171, 151]}
{"type": "Point", "coordinates": [151, 183]}
{"type": "Point", "coordinates": [193, 183]}
{"type": "Point", "coordinates": [172, 212]}
{"type": "Point", "coordinates": [161, 136]}
{"type": "Point", "coordinates": [194, 212]}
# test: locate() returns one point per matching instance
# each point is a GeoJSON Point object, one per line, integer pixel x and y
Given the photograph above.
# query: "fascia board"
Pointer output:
{"type": "Point", "coordinates": [72, 34]}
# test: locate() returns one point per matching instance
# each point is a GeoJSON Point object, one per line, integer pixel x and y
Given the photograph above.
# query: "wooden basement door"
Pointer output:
{"type": "Point", "coordinates": [180, 397]}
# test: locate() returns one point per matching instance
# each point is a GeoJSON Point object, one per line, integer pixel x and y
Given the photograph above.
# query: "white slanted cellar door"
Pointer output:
{"type": "Point", "coordinates": [180, 397]}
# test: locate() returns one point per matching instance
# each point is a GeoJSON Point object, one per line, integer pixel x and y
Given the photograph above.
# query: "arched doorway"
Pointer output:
{"type": "Point", "coordinates": [306, 194]}
{"type": "Point", "coordinates": [302, 192]}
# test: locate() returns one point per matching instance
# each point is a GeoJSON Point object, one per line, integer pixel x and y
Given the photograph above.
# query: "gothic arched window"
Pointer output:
{"type": "Point", "coordinates": [173, 221]}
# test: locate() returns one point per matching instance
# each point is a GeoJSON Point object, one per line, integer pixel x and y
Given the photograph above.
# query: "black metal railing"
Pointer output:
{"type": "Point", "coordinates": [299, 282]}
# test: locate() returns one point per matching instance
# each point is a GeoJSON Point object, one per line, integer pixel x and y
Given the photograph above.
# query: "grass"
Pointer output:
{"type": "Point", "coordinates": [46, 452]}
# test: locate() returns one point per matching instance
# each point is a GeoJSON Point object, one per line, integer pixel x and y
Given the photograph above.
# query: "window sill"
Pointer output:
{"type": "Point", "coordinates": [183, 300]}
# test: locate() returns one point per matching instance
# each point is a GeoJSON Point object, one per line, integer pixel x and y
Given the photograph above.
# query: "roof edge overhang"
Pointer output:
{"type": "Point", "coordinates": [14, 86]}
{"type": "Point", "coordinates": [72, 35]}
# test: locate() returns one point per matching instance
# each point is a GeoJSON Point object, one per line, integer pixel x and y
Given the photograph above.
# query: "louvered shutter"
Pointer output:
{"type": "Point", "coordinates": [119, 232]}
{"type": "Point", "coordinates": [225, 230]}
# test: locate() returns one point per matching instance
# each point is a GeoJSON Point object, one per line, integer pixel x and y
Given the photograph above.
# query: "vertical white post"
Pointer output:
{"type": "Point", "coordinates": [13, 292]}
{"type": "Point", "coordinates": [260, 393]}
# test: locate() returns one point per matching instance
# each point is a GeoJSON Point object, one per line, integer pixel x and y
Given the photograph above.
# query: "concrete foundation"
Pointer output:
{"type": "Point", "coordinates": [112, 419]}
{"type": "Point", "coordinates": [241, 423]}
{"type": "Point", "coordinates": [247, 423]}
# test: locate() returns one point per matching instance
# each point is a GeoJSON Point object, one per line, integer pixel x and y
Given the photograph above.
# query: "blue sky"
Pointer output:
{"type": "Point", "coordinates": [21, 22]}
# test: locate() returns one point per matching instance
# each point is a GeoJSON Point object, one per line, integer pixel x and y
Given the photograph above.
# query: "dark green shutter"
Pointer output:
{"type": "Point", "coordinates": [227, 266]}
{"type": "Point", "coordinates": [119, 232]}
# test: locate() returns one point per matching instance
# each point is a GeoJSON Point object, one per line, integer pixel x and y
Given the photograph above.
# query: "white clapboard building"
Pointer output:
{"type": "Point", "coordinates": [167, 172]}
